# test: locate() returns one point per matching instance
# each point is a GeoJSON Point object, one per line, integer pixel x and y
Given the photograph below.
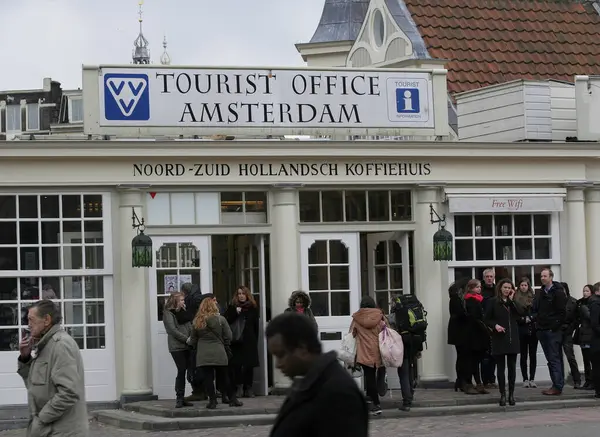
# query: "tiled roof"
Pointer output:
{"type": "Point", "coordinates": [495, 41]}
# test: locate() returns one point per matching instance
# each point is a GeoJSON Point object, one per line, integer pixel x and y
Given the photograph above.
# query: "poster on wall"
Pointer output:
{"type": "Point", "coordinates": [173, 283]}
{"type": "Point", "coordinates": [296, 101]}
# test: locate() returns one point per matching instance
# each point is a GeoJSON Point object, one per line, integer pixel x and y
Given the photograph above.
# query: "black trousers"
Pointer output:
{"type": "Point", "coordinates": [182, 362]}
{"type": "Point", "coordinates": [216, 375]}
{"type": "Point", "coordinates": [586, 352]}
{"type": "Point", "coordinates": [595, 355]}
{"type": "Point", "coordinates": [529, 345]}
{"type": "Point", "coordinates": [371, 383]}
{"type": "Point", "coordinates": [570, 354]}
{"type": "Point", "coordinates": [241, 375]}
{"type": "Point", "coordinates": [469, 363]}
{"type": "Point", "coordinates": [488, 368]}
{"type": "Point", "coordinates": [504, 363]}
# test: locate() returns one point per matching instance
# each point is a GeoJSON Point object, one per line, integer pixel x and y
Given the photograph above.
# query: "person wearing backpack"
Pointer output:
{"type": "Point", "coordinates": [410, 321]}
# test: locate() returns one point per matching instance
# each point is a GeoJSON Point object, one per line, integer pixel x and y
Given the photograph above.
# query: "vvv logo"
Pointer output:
{"type": "Point", "coordinates": [126, 97]}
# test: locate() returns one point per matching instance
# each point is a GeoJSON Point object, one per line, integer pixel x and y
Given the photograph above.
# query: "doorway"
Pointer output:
{"type": "Point", "coordinates": [218, 264]}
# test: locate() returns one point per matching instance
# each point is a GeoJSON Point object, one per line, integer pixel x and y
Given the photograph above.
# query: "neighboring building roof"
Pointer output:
{"type": "Point", "coordinates": [490, 42]}
{"type": "Point", "coordinates": [341, 20]}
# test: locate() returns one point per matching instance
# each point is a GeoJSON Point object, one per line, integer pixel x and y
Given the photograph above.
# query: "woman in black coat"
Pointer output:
{"type": "Point", "coordinates": [584, 334]}
{"type": "Point", "coordinates": [457, 334]}
{"type": "Point", "coordinates": [477, 333]}
{"type": "Point", "coordinates": [502, 316]}
{"type": "Point", "coordinates": [243, 317]}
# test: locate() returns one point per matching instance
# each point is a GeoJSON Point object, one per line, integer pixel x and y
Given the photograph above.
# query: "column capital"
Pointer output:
{"type": "Point", "coordinates": [578, 185]}
{"type": "Point", "coordinates": [592, 194]}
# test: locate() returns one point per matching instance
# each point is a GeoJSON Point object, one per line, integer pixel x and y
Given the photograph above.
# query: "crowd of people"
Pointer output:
{"type": "Point", "coordinates": [491, 324]}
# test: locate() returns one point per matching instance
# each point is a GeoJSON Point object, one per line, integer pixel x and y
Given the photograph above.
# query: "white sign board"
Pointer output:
{"type": "Point", "coordinates": [514, 204]}
{"type": "Point", "coordinates": [173, 283]}
{"type": "Point", "coordinates": [199, 101]}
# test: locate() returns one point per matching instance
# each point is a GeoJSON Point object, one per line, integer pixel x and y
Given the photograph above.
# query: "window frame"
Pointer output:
{"type": "Point", "coordinates": [105, 274]}
{"type": "Point", "coordinates": [27, 109]}
{"type": "Point", "coordinates": [70, 100]}
{"type": "Point", "coordinates": [8, 108]}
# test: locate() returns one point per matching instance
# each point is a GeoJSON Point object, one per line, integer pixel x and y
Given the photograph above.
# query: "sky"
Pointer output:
{"type": "Point", "coordinates": [53, 38]}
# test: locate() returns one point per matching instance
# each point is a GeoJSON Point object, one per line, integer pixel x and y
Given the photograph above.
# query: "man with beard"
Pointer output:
{"type": "Point", "coordinates": [488, 365]}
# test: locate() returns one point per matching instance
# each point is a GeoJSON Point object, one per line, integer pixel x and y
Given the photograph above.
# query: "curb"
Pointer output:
{"type": "Point", "coordinates": [144, 422]}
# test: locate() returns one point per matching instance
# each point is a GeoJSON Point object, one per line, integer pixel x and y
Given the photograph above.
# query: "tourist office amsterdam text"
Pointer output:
{"type": "Point", "coordinates": [369, 169]}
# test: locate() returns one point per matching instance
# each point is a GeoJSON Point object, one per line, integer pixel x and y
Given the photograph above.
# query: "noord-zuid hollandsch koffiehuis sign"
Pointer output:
{"type": "Point", "coordinates": [299, 100]}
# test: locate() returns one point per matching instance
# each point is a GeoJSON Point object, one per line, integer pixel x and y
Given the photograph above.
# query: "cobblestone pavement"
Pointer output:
{"type": "Point", "coordinates": [583, 422]}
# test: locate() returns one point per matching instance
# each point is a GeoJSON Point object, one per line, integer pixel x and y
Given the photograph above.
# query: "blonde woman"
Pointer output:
{"type": "Point", "coordinates": [178, 330]}
{"type": "Point", "coordinates": [212, 336]}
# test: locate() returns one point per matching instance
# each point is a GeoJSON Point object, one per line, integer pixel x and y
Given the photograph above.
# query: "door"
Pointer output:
{"type": "Point", "coordinates": [251, 262]}
{"type": "Point", "coordinates": [389, 274]}
{"type": "Point", "coordinates": [178, 260]}
{"type": "Point", "coordinates": [331, 274]}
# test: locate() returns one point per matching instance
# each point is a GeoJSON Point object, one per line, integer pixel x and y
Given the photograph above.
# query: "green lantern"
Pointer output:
{"type": "Point", "coordinates": [141, 250]}
{"type": "Point", "coordinates": [442, 245]}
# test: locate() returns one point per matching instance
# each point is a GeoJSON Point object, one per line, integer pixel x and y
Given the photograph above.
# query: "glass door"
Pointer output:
{"type": "Point", "coordinates": [177, 260]}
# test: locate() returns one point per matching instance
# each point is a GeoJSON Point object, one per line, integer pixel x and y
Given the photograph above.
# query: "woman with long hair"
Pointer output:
{"type": "Point", "coordinates": [178, 329]}
{"type": "Point", "coordinates": [527, 336]}
{"type": "Point", "coordinates": [366, 325]}
{"type": "Point", "coordinates": [502, 316]}
{"type": "Point", "coordinates": [479, 339]}
{"type": "Point", "coordinates": [212, 335]}
{"type": "Point", "coordinates": [243, 317]}
{"type": "Point", "coordinates": [584, 334]}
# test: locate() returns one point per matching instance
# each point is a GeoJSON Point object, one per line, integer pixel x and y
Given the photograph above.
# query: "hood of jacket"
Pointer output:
{"type": "Point", "coordinates": [594, 300]}
{"type": "Point", "coordinates": [368, 318]}
{"type": "Point", "coordinates": [302, 295]}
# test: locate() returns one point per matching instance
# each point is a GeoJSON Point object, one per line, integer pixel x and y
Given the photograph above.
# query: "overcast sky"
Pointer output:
{"type": "Point", "coordinates": [53, 38]}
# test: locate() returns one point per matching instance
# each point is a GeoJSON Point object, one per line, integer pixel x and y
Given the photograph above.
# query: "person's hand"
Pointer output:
{"type": "Point", "coordinates": [512, 294]}
{"type": "Point", "coordinates": [499, 328]}
{"type": "Point", "coordinates": [239, 309]}
{"type": "Point", "coordinates": [25, 346]}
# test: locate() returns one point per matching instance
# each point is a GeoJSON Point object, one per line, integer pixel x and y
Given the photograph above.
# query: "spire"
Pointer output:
{"type": "Point", "coordinates": [141, 53]}
{"type": "Point", "coordinates": [165, 59]}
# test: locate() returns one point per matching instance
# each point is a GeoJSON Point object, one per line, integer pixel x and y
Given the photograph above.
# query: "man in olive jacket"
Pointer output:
{"type": "Point", "coordinates": [51, 366]}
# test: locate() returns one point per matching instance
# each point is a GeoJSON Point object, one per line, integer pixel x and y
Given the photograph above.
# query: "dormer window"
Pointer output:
{"type": "Point", "coordinates": [33, 116]}
{"type": "Point", "coordinates": [13, 118]}
{"type": "Point", "coordinates": [75, 109]}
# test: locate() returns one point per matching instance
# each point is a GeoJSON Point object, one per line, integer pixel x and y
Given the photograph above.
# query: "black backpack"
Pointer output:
{"type": "Point", "coordinates": [410, 315]}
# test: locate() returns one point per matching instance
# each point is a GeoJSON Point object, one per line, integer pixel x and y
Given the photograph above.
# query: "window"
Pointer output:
{"type": "Point", "coordinates": [517, 245]}
{"type": "Point", "coordinates": [13, 118]}
{"type": "Point", "coordinates": [355, 206]}
{"type": "Point", "coordinates": [248, 207]}
{"type": "Point", "coordinates": [75, 110]}
{"type": "Point", "coordinates": [329, 278]}
{"type": "Point", "coordinates": [33, 116]}
{"type": "Point", "coordinates": [53, 246]}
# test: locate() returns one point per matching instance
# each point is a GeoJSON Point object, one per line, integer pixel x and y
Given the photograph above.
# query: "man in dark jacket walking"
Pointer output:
{"type": "Point", "coordinates": [326, 401]}
{"type": "Point", "coordinates": [594, 304]}
{"type": "Point", "coordinates": [193, 297]}
{"type": "Point", "coordinates": [488, 364]}
{"type": "Point", "coordinates": [549, 314]}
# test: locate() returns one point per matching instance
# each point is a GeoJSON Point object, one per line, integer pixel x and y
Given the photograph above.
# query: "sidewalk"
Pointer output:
{"type": "Point", "coordinates": [160, 415]}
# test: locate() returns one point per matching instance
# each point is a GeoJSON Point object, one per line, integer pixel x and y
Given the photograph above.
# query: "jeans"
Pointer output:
{"type": "Point", "coordinates": [504, 363]}
{"type": "Point", "coordinates": [406, 377]}
{"type": "Point", "coordinates": [221, 374]}
{"type": "Point", "coordinates": [551, 342]}
{"type": "Point", "coordinates": [529, 344]}
{"type": "Point", "coordinates": [586, 352]}
{"type": "Point", "coordinates": [570, 354]}
{"type": "Point", "coordinates": [488, 369]}
{"type": "Point", "coordinates": [371, 383]}
{"type": "Point", "coordinates": [182, 361]}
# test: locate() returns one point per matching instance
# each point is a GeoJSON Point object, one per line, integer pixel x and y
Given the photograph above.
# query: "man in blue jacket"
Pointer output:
{"type": "Point", "coordinates": [549, 314]}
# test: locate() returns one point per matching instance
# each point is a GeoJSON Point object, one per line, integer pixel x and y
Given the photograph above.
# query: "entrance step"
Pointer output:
{"type": "Point", "coordinates": [161, 415]}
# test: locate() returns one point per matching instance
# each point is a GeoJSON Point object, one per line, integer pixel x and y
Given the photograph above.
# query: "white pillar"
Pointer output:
{"type": "Point", "coordinates": [428, 279]}
{"type": "Point", "coordinates": [284, 257]}
{"type": "Point", "coordinates": [592, 214]}
{"type": "Point", "coordinates": [576, 272]}
{"type": "Point", "coordinates": [134, 304]}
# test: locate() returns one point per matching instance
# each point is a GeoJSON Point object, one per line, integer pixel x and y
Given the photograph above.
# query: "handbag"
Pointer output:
{"type": "Point", "coordinates": [347, 351]}
{"type": "Point", "coordinates": [391, 348]}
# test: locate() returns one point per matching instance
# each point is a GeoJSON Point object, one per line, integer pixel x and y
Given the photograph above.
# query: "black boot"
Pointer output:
{"type": "Point", "coordinates": [248, 393]}
{"type": "Point", "coordinates": [212, 403]}
{"type": "Point", "coordinates": [180, 400]}
{"type": "Point", "coordinates": [502, 402]}
{"type": "Point", "coordinates": [511, 394]}
{"type": "Point", "coordinates": [225, 399]}
{"type": "Point", "coordinates": [235, 402]}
